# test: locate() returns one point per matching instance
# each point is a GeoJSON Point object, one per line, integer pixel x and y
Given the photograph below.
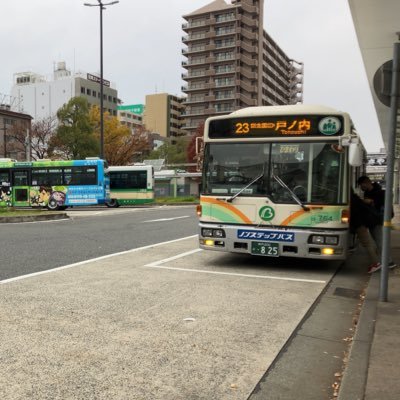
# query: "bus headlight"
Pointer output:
{"type": "Point", "coordinates": [317, 239]}
{"type": "Point", "coordinates": [331, 239]}
{"type": "Point", "coordinates": [324, 239]}
{"type": "Point", "coordinates": [205, 232]}
{"type": "Point", "coordinates": [208, 232]}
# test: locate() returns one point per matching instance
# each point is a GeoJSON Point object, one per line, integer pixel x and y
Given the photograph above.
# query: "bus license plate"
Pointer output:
{"type": "Point", "coordinates": [265, 249]}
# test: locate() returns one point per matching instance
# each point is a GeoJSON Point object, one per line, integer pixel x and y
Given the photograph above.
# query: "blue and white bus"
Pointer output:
{"type": "Point", "coordinates": [54, 184]}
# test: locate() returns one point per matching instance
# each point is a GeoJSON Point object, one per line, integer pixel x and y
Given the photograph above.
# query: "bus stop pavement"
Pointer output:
{"type": "Point", "coordinates": [373, 367]}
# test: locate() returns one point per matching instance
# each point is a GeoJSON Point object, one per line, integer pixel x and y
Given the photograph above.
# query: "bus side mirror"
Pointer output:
{"type": "Point", "coordinates": [355, 154]}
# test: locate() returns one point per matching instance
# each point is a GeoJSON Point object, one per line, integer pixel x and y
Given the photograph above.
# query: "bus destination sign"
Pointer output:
{"type": "Point", "coordinates": [276, 126]}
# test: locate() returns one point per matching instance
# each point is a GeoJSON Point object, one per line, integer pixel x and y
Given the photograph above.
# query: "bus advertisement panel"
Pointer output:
{"type": "Point", "coordinates": [53, 184]}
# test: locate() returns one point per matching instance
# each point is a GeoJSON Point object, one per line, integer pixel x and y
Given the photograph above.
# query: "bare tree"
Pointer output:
{"type": "Point", "coordinates": [41, 133]}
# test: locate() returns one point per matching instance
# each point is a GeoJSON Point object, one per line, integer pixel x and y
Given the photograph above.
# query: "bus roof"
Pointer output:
{"type": "Point", "coordinates": [285, 110]}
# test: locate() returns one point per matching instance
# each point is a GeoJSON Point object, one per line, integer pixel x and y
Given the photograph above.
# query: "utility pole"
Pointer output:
{"type": "Point", "coordinates": [101, 8]}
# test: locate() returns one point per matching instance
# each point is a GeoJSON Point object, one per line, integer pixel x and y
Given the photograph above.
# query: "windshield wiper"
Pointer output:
{"type": "Point", "coordinates": [246, 187]}
{"type": "Point", "coordinates": [295, 198]}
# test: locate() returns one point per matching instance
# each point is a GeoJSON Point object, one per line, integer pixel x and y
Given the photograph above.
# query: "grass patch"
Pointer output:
{"type": "Point", "coordinates": [173, 200]}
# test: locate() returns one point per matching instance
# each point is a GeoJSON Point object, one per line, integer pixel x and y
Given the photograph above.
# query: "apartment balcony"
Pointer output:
{"type": "Point", "coordinates": [193, 37]}
{"type": "Point", "coordinates": [192, 88]}
{"type": "Point", "coordinates": [194, 112]}
{"type": "Point", "coordinates": [225, 32]}
{"type": "Point", "coordinates": [250, 9]}
{"type": "Point", "coordinates": [210, 85]}
{"type": "Point", "coordinates": [224, 20]}
{"type": "Point", "coordinates": [193, 50]}
{"type": "Point", "coordinates": [245, 19]}
{"type": "Point", "coordinates": [195, 99]}
{"type": "Point", "coordinates": [246, 86]}
{"type": "Point", "coordinates": [225, 83]}
{"type": "Point", "coordinates": [225, 109]}
{"type": "Point", "coordinates": [209, 98]}
{"type": "Point", "coordinates": [224, 96]}
{"type": "Point", "coordinates": [197, 62]}
{"type": "Point", "coordinates": [227, 45]}
{"type": "Point", "coordinates": [193, 25]}
{"type": "Point", "coordinates": [225, 58]}
{"type": "Point", "coordinates": [248, 34]}
{"type": "Point", "coordinates": [210, 47]}
{"type": "Point", "coordinates": [253, 62]}
{"type": "Point", "coordinates": [246, 72]}
{"type": "Point", "coordinates": [248, 101]}
{"type": "Point", "coordinates": [225, 71]}
{"type": "Point", "coordinates": [198, 74]}
{"type": "Point", "coordinates": [209, 111]}
{"type": "Point", "coordinates": [247, 47]}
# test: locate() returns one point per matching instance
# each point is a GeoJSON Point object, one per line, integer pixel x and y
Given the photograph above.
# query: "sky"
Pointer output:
{"type": "Point", "coordinates": [142, 48]}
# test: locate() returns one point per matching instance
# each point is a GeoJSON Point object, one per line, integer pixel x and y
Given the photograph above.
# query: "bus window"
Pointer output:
{"type": "Point", "coordinates": [80, 176]}
{"type": "Point", "coordinates": [20, 178]}
{"type": "Point", "coordinates": [4, 178]}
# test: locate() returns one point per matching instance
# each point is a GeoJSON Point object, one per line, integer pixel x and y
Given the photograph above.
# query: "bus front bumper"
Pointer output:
{"type": "Point", "coordinates": [275, 241]}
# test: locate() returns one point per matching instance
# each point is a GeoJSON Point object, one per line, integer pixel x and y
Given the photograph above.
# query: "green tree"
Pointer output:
{"type": "Point", "coordinates": [172, 153]}
{"type": "Point", "coordinates": [75, 137]}
{"type": "Point", "coordinates": [121, 146]}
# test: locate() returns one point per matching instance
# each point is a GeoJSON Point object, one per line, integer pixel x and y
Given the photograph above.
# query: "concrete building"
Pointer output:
{"type": "Point", "coordinates": [233, 63]}
{"type": "Point", "coordinates": [14, 134]}
{"type": "Point", "coordinates": [131, 115]}
{"type": "Point", "coordinates": [42, 98]}
{"type": "Point", "coordinates": [163, 114]}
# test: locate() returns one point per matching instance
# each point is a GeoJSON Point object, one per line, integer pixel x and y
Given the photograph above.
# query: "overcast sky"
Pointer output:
{"type": "Point", "coordinates": [142, 48]}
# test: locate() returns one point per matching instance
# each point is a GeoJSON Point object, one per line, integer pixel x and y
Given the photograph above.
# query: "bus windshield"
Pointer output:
{"type": "Point", "coordinates": [313, 171]}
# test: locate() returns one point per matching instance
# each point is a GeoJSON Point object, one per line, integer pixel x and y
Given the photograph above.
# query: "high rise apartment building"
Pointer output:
{"type": "Point", "coordinates": [163, 114]}
{"type": "Point", "coordinates": [42, 98]}
{"type": "Point", "coordinates": [233, 63]}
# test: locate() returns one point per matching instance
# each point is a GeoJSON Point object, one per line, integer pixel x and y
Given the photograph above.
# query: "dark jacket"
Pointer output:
{"type": "Point", "coordinates": [362, 214]}
{"type": "Point", "coordinates": [377, 194]}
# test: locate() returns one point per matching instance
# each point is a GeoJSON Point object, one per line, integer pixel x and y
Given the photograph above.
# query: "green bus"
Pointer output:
{"type": "Point", "coordinates": [131, 185]}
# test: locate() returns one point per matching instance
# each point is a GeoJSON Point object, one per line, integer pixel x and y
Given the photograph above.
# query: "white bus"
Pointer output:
{"type": "Point", "coordinates": [276, 181]}
{"type": "Point", "coordinates": [131, 185]}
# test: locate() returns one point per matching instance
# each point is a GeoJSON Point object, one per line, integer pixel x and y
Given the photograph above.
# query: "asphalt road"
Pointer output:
{"type": "Point", "coordinates": [89, 233]}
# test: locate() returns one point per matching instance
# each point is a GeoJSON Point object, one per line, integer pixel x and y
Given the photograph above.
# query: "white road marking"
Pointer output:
{"type": "Point", "coordinates": [18, 278]}
{"type": "Point", "coordinates": [165, 260]}
{"type": "Point", "coordinates": [157, 264]}
{"type": "Point", "coordinates": [167, 219]}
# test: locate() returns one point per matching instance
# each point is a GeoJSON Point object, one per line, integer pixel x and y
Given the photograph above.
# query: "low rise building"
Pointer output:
{"type": "Point", "coordinates": [42, 98]}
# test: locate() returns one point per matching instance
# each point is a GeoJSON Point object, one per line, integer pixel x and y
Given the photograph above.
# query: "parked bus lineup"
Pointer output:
{"type": "Point", "coordinates": [53, 184]}
{"type": "Point", "coordinates": [276, 181]}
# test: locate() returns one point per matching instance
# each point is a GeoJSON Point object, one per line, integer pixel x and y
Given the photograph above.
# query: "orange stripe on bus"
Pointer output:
{"type": "Point", "coordinates": [292, 217]}
{"type": "Point", "coordinates": [228, 206]}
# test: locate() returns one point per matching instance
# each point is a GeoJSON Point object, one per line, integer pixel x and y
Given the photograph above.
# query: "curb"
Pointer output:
{"type": "Point", "coordinates": [33, 218]}
{"type": "Point", "coordinates": [356, 372]}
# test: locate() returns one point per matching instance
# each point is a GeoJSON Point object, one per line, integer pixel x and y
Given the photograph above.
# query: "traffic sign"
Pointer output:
{"type": "Point", "coordinates": [383, 82]}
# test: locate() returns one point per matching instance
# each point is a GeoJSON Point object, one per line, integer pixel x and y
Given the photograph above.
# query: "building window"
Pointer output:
{"type": "Point", "coordinates": [88, 92]}
{"type": "Point", "coordinates": [83, 90]}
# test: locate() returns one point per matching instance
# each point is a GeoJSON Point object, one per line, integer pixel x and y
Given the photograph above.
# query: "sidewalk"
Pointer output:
{"type": "Point", "coordinates": [373, 370]}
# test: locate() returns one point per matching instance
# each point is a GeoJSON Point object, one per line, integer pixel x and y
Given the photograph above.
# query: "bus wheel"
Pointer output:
{"type": "Point", "coordinates": [112, 203]}
{"type": "Point", "coordinates": [52, 205]}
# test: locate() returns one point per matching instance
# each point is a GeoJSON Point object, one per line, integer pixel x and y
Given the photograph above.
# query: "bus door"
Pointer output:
{"type": "Point", "coordinates": [20, 187]}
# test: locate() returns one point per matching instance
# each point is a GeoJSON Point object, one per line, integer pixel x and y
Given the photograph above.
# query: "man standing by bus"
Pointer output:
{"type": "Point", "coordinates": [374, 196]}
